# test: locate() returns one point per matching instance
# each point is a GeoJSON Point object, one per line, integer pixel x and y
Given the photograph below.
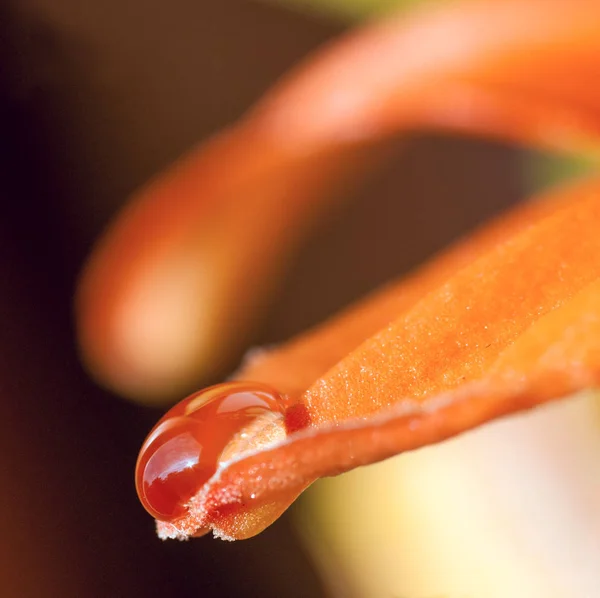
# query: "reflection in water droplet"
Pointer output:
{"type": "Point", "coordinates": [184, 448]}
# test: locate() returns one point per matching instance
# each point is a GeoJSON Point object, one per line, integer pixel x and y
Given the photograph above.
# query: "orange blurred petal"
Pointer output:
{"type": "Point", "coordinates": [525, 70]}
{"type": "Point", "coordinates": [175, 285]}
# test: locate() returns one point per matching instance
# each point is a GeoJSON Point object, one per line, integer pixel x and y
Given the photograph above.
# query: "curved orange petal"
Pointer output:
{"type": "Point", "coordinates": [525, 70]}
{"type": "Point", "coordinates": [516, 324]}
{"type": "Point", "coordinates": [159, 303]}
{"type": "Point", "coordinates": [295, 366]}
{"type": "Point", "coordinates": [176, 282]}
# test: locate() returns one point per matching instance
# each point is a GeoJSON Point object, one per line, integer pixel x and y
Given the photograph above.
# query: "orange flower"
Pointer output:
{"type": "Point", "coordinates": [504, 321]}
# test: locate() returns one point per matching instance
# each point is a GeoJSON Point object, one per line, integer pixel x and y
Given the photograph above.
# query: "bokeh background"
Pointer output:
{"type": "Point", "coordinates": [95, 98]}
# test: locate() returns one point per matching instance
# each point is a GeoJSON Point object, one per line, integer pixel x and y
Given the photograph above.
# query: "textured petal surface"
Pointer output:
{"type": "Point", "coordinates": [516, 326]}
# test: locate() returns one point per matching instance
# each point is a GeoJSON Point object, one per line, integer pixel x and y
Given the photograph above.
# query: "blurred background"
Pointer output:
{"type": "Point", "coordinates": [95, 98]}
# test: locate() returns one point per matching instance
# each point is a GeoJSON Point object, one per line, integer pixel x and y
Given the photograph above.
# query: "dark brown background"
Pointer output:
{"type": "Point", "coordinates": [94, 98]}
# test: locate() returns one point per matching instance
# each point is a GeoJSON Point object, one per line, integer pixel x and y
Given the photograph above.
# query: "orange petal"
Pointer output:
{"type": "Point", "coordinates": [517, 324]}
{"type": "Point", "coordinates": [173, 288]}
{"type": "Point", "coordinates": [175, 285]}
{"type": "Point", "coordinates": [525, 70]}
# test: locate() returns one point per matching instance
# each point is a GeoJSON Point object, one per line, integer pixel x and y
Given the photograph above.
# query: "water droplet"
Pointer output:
{"type": "Point", "coordinates": [183, 450]}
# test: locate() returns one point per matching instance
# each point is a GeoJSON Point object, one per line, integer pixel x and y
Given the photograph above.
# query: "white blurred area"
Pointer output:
{"type": "Point", "coordinates": [511, 510]}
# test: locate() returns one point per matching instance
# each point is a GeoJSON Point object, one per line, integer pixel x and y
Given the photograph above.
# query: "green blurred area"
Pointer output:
{"type": "Point", "coordinates": [545, 170]}
{"type": "Point", "coordinates": [351, 9]}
